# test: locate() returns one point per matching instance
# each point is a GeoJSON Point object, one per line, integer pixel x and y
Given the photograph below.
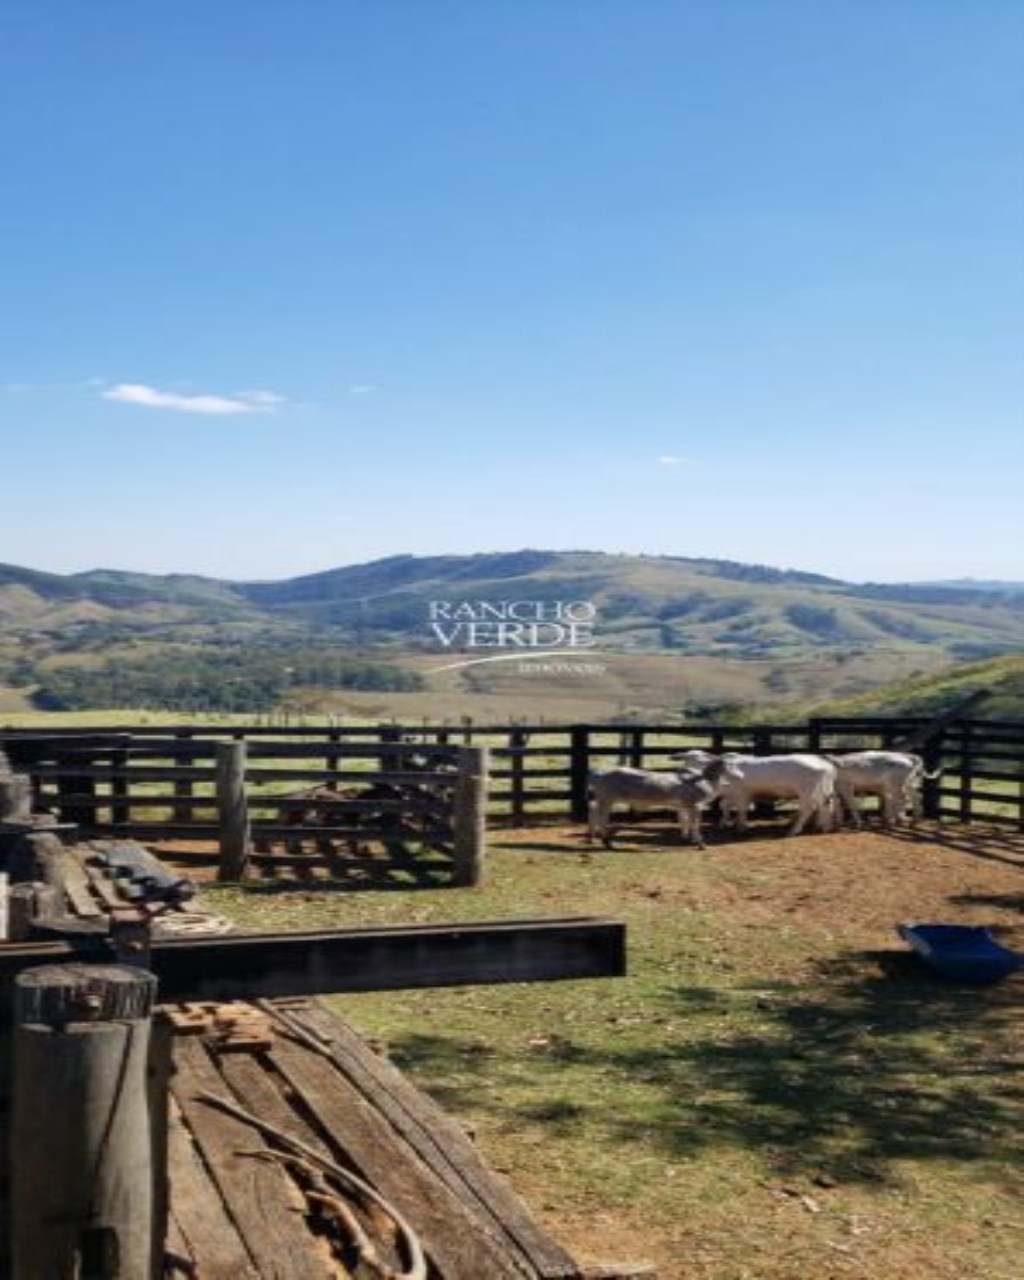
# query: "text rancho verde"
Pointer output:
{"type": "Point", "coordinates": [513, 624]}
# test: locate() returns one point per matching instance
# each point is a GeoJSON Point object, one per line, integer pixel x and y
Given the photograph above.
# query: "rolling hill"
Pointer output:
{"type": "Point", "coordinates": [650, 603]}
{"type": "Point", "coordinates": [686, 629]}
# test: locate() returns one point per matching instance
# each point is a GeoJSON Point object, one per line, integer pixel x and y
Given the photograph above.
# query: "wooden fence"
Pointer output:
{"type": "Point", "coordinates": [159, 782]}
{"type": "Point", "coordinates": [279, 802]}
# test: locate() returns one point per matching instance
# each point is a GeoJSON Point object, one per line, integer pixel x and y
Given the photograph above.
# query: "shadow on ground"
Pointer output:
{"type": "Point", "coordinates": [993, 844]}
{"type": "Point", "coordinates": [888, 1065]}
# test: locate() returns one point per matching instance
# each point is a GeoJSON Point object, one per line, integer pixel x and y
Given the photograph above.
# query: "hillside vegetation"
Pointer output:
{"type": "Point", "coordinates": [931, 695]}
{"type": "Point", "coordinates": [674, 636]}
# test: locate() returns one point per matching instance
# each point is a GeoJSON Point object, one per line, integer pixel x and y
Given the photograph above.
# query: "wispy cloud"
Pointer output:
{"type": "Point", "coordinates": [672, 460]}
{"type": "Point", "coordinates": [362, 389]}
{"type": "Point", "coordinates": [152, 398]}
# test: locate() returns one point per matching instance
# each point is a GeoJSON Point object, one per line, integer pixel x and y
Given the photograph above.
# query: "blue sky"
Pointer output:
{"type": "Point", "coordinates": [293, 285]}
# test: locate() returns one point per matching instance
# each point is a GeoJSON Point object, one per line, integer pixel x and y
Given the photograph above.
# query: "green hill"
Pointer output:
{"type": "Point", "coordinates": [931, 695]}
{"type": "Point", "coordinates": [703, 627]}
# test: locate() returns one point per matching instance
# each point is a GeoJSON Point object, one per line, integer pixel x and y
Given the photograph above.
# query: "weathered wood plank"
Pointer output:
{"type": "Point", "coordinates": [253, 1086]}
{"type": "Point", "coordinates": [453, 1237]}
{"type": "Point", "coordinates": [438, 1140]}
{"type": "Point", "coordinates": [259, 1195]}
{"type": "Point", "coordinates": [76, 882]}
{"type": "Point", "coordinates": [199, 1213]}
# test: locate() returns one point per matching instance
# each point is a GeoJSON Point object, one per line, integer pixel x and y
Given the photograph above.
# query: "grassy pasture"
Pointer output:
{"type": "Point", "coordinates": [775, 1091]}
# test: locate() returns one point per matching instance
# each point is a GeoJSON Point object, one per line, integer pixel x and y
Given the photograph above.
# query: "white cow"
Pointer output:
{"type": "Point", "coordinates": [894, 776]}
{"type": "Point", "coordinates": [686, 791]}
{"type": "Point", "coordinates": [809, 779]}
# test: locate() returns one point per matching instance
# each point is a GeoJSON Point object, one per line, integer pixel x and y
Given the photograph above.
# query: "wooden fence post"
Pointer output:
{"type": "Point", "coordinates": [469, 816]}
{"type": "Point", "coordinates": [579, 771]}
{"type": "Point", "coordinates": [81, 1136]}
{"type": "Point", "coordinates": [233, 811]}
{"type": "Point", "coordinates": [183, 786]}
{"type": "Point", "coordinates": [119, 811]}
{"type": "Point", "coordinates": [76, 797]}
{"type": "Point", "coordinates": [966, 771]}
{"type": "Point", "coordinates": [517, 741]}
{"type": "Point", "coordinates": [931, 788]}
{"type": "Point", "coordinates": [390, 733]}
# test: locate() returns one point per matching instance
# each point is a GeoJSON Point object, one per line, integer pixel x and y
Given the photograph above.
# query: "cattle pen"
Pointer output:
{"type": "Point", "coordinates": [75, 775]}
{"type": "Point", "coordinates": [161, 783]}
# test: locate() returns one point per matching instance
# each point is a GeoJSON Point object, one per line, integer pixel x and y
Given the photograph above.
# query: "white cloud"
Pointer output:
{"type": "Point", "coordinates": [240, 402]}
{"type": "Point", "coordinates": [362, 389]}
{"type": "Point", "coordinates": [260, 399]}
{"type": "Point", "coordinates": [672, 460]}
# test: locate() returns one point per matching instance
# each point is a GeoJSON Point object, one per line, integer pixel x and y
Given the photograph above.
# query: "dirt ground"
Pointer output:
{"type": "Point", "coordinates": [861, 881]}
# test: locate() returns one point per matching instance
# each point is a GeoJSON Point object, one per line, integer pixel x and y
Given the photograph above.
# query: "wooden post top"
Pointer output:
{"type": "Point", "coordinates": [58, 994]}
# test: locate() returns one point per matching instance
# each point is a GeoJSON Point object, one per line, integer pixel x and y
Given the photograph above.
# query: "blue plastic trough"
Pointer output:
{"type": "Point", "coordinates": [963, 953]}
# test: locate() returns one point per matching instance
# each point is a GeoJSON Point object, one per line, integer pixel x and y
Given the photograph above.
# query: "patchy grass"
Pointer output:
{"type": "Point", "coordinates": [777, 1090]}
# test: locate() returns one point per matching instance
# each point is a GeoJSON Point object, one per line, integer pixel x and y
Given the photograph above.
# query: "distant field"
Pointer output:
{"type": "Point", "coordinates": [569, 686]}
{"type": "Point", "coordinates": [647, 685]}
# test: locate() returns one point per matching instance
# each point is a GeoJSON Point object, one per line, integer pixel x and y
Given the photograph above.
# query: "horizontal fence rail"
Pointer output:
{"type": "Point", "coordinates": [160, 782]}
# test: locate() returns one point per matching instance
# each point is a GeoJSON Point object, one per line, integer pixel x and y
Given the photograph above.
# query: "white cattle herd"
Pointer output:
{"type": "Point", "coordinates": [824, 787]}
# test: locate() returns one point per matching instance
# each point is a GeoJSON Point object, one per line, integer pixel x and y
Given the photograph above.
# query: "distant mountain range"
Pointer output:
{"type": "Point", "coordinates": [663, 604]}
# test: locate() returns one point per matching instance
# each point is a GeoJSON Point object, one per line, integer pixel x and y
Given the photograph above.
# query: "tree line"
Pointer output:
{"type": "Point", "coordinates": [241, 679]}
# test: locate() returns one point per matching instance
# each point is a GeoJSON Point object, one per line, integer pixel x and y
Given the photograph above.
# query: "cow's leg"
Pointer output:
{"type": "Point", "coordinates": [689, 826]}
{"type": "Point", "coordinates": [889, 805]}
{"type": "Point", "coordinates": [803, 813]}
{"type": "Point", "coordinates": [847, 799]}
{"type": "Point", "coordinates": [600, 827]}
{"type": "Point", "coordinates": [807, 808]}
{"type": "Point", "coordinates": [738, 807]}
{"type": "Point", "coordinates": [826, 813]}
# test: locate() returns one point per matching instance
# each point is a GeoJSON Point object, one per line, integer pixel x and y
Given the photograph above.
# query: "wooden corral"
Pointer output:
{"type": "Point", "coordinates": [369, 811]}
{"type": "Point", "coordinates": [158, 783]}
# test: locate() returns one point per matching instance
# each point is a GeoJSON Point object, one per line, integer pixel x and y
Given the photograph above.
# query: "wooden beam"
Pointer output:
{"type": "Point", "coordinates": [366, 959]}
